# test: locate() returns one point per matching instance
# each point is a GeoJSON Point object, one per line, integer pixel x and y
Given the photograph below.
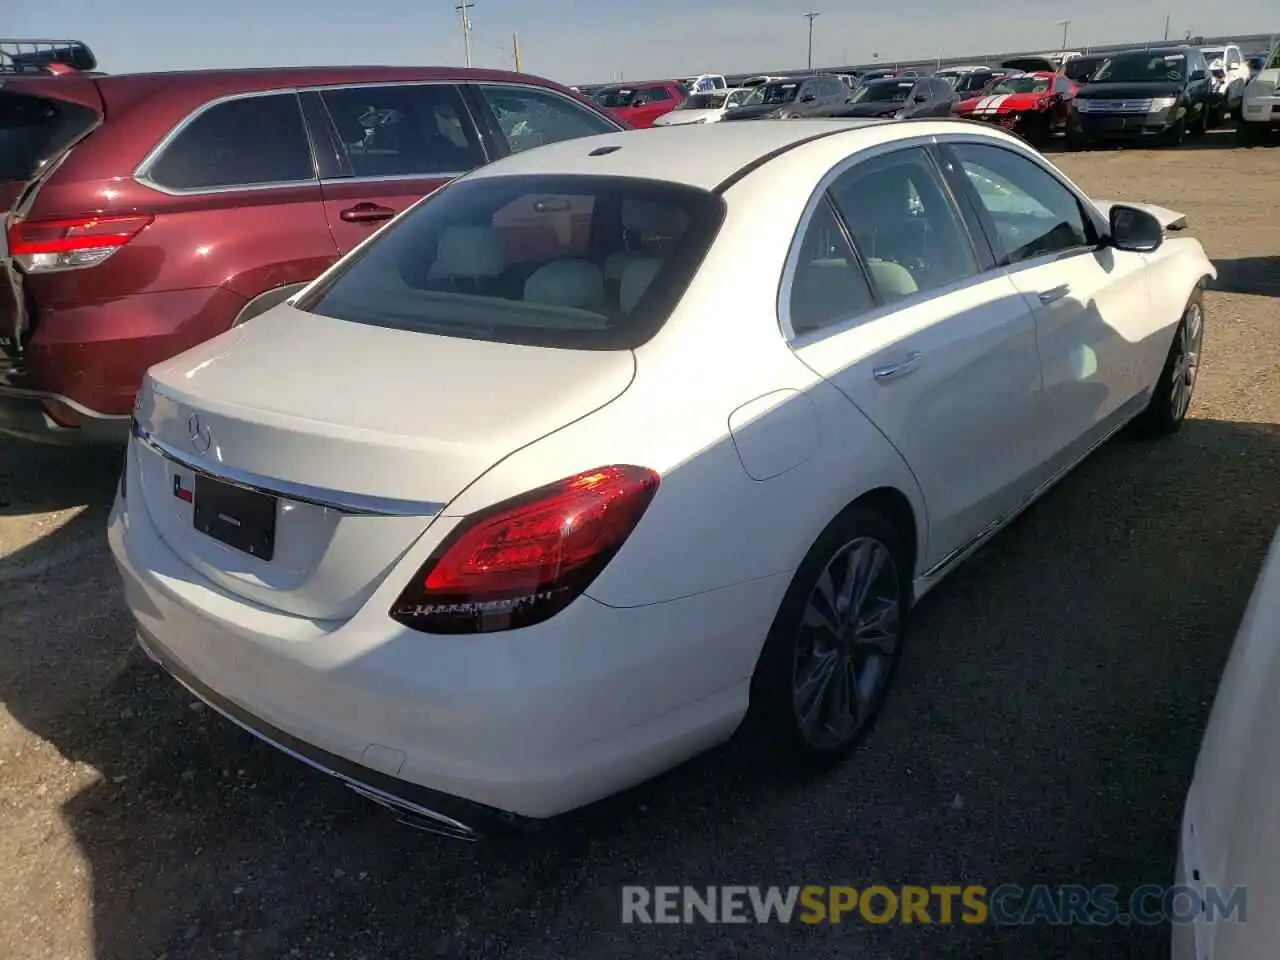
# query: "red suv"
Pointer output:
{"type": "Point", "coordinates": [146, 213]}
{"type": "Point", "coordinates": [639, 104]}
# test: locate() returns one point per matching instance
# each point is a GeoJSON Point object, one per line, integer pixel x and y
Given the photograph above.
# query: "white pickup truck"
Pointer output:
{"type": "Point", "coordinates": [1260, 110]}
{"type": "Point", "coordinates": [1228, 74]}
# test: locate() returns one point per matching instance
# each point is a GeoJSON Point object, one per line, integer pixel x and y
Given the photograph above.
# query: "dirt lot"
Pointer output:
{"type": "Point", "coordinates": [1044, 727]}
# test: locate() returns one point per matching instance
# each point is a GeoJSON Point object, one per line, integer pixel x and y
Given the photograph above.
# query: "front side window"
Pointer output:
{"type": "Point", "coordinates": [904, 224]}
{"type": "Point", "coordinates": [576, 262]}
{"type": "Point", "coordinates": [882, 91]}
{"type": "Point", "coordinates": [530, 117]}
{"type": "Point", "coordinates": [1033, 213]}
{"type": "Point", "coordinates": [651, 95]}
{"type": "Point", "coordinates": [249, 141]}
{"type": "Point", "coordinates": [404, 130]}
{"type": "Point", "coordinates": [772, 93]}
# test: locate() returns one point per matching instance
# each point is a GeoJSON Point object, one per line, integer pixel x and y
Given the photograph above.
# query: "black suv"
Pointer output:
{"type": "Point", "coordinates": [1161, 94]}
{"type": "Point", "coordinates": [792, 98]}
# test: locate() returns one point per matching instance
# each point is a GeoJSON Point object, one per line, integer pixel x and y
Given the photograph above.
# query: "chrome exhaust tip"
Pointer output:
{"type": "Point", "coordinates": [416, 816]}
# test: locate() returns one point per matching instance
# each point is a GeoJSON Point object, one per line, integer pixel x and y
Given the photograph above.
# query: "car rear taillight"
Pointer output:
{"type": "Point", "coordinates": [67, 244]}
{"type": "Point", "coordinates": [526, 559]}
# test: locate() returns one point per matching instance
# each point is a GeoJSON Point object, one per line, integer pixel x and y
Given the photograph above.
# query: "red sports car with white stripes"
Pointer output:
{"type": "Point", "coordinates": [1031, 105]}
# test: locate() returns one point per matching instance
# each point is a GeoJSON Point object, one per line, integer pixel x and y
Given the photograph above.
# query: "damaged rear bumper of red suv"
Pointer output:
{"type": "Point", "coordinates": [75, 381]}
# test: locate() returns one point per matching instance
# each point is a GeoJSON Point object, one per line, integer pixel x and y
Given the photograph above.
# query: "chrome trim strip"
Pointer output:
{"type": "Point", "coordinates": [452, 827]}
{"type": "Point", "coordinates": [341, 181]}
{"type": "Point", "coordinates": [991, 529]}
{"type": "Point", "coordinates": [356, 504]}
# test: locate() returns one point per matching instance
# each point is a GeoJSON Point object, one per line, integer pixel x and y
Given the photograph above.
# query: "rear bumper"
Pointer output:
{"type": "Point", "coordinates": [528, 723]}
{"type": "Point", "coordinates": [47, 417]}
{"type": "Point", "coordinates": [92, 357]}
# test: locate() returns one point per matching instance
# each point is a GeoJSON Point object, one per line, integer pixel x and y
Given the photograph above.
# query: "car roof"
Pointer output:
{"type": "Point", "coordinates": [698, 155]}
{"type": "Point", "coordinates": [226, 82]}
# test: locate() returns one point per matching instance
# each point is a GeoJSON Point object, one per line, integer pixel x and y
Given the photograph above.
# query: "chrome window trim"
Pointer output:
{"type": "Point", "coordinates": [355, 504]}
{"type": "Point", "coordinates": [797, 240]}
{"type": "Point", "coordinates": [340, 181]}
{"type": "Point", "coordinates": [142, 173]}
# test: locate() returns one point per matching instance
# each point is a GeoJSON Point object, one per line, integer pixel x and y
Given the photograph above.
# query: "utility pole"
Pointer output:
{"type": "Point", "coordinates": [1166, 26]}
{"type": "Point", "coordinates": [515, 50]}
{"type": "Point", "coordinates": [1065, 25]}
{"type": "Point", "coordinates": [811, 17]}
{"type": "Point", "coordinates": [464, 10]}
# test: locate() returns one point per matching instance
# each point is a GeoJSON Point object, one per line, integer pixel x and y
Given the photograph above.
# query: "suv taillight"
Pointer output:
{"type": "Point", "coordinates": [67, 244]}
{"type": "Point", "coordinates": [526, 559]}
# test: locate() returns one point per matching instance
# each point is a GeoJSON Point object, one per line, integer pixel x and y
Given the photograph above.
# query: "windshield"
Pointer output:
{"type": "Point", "coordinates": [1274, 62]}
{"type": "Point", "coordinates": [1026, 84]}
{"type": "Point", "coordinates": [1143, 68]}
{"type": "Point", "coordinates": [704, 101]}
{"type": "Point", "coordinates": [776, 93]}
{"type": "Point", "coordinates": [619, 97]}
{"type": "Point", "coordinates": [572, 262]}
{"type": "Point", "coordinates": [738, 98]}
{"type": "Point", "coordinates": [1212, 55]}
{"type": "Point", "coordinates": [881, 91]}
{"type": "Point", "coordinates": [1082, 68]}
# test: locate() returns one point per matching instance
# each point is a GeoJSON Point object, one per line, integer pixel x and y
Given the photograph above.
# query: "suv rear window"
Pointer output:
{"type": "Point", "coordinates": [579, 262]}
{"type": "Point", "coordinates": [35, 130]}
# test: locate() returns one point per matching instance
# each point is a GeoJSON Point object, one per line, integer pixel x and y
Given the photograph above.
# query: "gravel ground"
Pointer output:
{"type": "Point", "coordinates": [1043, 730]}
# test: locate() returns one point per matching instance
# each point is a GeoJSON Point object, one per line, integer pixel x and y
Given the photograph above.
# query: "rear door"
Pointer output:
{"type": "Point", "coordinates": [40, 121]}
{"type": "Point", "coordinates": [382, 147]}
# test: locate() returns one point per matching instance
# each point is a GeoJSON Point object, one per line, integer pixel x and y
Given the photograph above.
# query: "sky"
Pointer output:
{"type": "Point", "coordinates": [575, 41]}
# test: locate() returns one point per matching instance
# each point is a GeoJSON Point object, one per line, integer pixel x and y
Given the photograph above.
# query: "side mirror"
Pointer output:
{"type": "Point", "coordinates": [1134, 230]}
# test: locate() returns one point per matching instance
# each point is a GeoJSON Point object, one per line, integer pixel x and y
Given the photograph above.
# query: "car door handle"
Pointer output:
{"type": "Point", "coordinates": [898, 368]}
{"type": "Point", "coordinates": [1052, 296]}
{"type": "Point", "coordinates": [366, 213]}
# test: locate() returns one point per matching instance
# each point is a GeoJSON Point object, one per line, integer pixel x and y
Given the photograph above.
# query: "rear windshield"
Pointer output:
{"type": "Point", "coordinates": [34, 131]}
{"type": "Point", "coordinates": [579, 262]}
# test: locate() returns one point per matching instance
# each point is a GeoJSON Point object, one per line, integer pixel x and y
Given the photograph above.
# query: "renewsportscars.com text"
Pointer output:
{"type": "Point", "coordinates": [1008, 904]}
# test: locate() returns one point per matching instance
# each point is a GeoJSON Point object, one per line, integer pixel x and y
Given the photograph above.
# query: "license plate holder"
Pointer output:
{"type": "Point", "coordinates": [241, 518]}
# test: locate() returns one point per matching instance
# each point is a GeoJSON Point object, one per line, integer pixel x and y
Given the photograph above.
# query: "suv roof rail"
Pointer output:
{"type": "Point", "coordinates": [43, 56]}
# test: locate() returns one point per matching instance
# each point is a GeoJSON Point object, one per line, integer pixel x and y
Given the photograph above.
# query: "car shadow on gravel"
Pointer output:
{"type": "Point", "coordinates": [1043, 730]}
{"type": "Point", "coordinates": [1259, 276]}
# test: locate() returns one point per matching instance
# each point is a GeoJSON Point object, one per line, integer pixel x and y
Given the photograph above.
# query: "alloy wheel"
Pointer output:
{"type": "Point", "coordinates": [848, 639]}
{"type": "Point", "coordinates": [1186, 360]}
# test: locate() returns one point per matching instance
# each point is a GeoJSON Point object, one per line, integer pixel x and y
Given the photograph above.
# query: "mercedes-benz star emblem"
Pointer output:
{"type": "Point", "coordinates": [201, 438]}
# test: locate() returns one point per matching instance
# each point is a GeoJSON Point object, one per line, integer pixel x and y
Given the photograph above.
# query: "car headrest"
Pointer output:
{"type": "Point", "coordinates": [468, 250]}
{"type": "Point", "coordinates": [660, 219]}
{"type": "Point", "coordinates": [567, 283]}
{"type": "Point", "coordinates": [892, 280]}
{"type": "Point", "coordinates": [636, 277]}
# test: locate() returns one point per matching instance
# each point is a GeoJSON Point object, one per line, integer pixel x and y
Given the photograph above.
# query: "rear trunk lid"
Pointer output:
{"type": "Point", "coordinates": [41, 119]}
{"type": "Point", "coordinates": [362, 433]}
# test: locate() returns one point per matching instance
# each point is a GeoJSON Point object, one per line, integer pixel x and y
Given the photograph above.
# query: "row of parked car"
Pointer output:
{"type": "Point", "coordinates": [1163, 94]}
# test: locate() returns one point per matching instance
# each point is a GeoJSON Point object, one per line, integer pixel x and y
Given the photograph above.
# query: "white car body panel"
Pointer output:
{"type": "Point", "coordinates": [1235, 74]}
{"type": "Point", "coordinates": [1230, 835]}
{"type": "Point", "coordinates": [759, 443]}
{"type": "Point", "coordinates": [682, 114]}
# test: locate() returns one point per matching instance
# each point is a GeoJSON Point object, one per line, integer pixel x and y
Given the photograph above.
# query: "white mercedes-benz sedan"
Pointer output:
{"type": "Point", "coordinates": [614, 444]}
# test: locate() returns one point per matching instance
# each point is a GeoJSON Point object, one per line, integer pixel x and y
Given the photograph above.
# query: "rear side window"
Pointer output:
{"type": "Point", "coordinates": [579, 262]}
{"type": "Point", "coordinates": [35, 131]}
{"type": "Point", "coordinates": [404, 130]}
{"type": "Point", "coordinates": [246, 142]}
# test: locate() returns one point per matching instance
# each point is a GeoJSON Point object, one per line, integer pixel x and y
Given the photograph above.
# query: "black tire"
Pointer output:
{"type": "Point", "coordinates": [1073, 143]}
{"type": "Point", "coordinates": [1246, 136]}
{"type": "Point", "coordinates": [1163, 416]}
{"type": "Point", "coordinates": [774, 717]}
{"type": "Point", "coordinates": [1176, 135]}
